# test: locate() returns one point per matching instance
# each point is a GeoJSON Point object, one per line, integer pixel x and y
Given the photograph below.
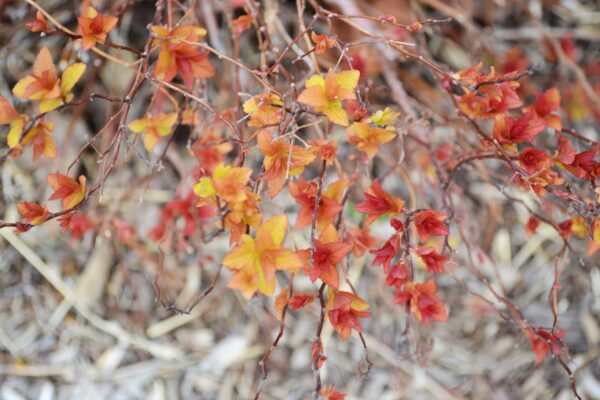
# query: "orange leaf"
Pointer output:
{"type": "Point", "coordinates": [240, 24]}
{"type": "Point", "coordinates": [40, 139]}
{"type": "Point", "coordinates": [180, 53]}
{"type": "Point", "coordinates": [94, 27]}
{"type": "Point", "coordinates": [305, 194]}
{"type": "Point", "coordinates": [281, 301]}
{"type": "Point", "coordinates": [70, 191]}
{"type": "Point", "coordinates": [43, 83]}
{"type": "Point", "coordinates": [324, 149]}
{"type": "Point", "coordinates": [7, 112]}
{"type": "Point", "coordinates": [264, 109]}
{"type": "Point", "coordinates": [33, 213]}
{"type": "Point", "coordinates": [322, 42]}
{"type": "Point", "coordinates": [228, 182]}
{"type": "Point", "coordinates": [278, 162]}
{"type": "Point", "coordinates": [256, 259]}
{"type": "Point", "coordinates": [326, 95]}
{"type": "Point", "coordinates": [367, 138]}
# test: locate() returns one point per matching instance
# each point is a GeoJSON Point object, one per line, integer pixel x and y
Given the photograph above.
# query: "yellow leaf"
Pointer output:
{"type": "Point", "coordinates": [276, 228]}
{"type": "Point", "coordinates": [165, 122]}
{"type": "Point", "coordinates": [14, 134]}
{"type": "Point", "coordinates": [329, 235]}
{"type": "Point", "coordinates": [204, 187]}
{"type": "Point", "coordinates": [348, 79]}
{"type": "Point", "coordinates": [335, 191]}
{"type": "Point", "coordinates": [150, 141]}
{"type": "Point", "coordinates": [266, 279]}
{"type": "Point", "coordinates": [49, 105]}
{"type": "Point", "coordinates": [70, 77]}
{"type": "Point", "coordinates": [243, 256]}
{"type": "Point", "coordinates": [336, 114]}
{"type": "Point", "coordinates": [20, 88]}
{"type": "Point", "coordinates": [384, 118]}
{"type": "Point", "coordinates": [316, 81]}
{"type": "Point", "coordinates": [138, 125]}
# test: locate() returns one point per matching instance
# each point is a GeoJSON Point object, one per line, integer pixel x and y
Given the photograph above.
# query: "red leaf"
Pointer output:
{"type": "Point", "coordinates": [430, 223]}
{"type": "Point", "coordinates": [377, 203]}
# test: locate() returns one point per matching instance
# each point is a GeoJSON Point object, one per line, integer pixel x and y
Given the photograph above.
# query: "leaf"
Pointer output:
{"type": "Point", "coordinates": [386, 253]}
{"type": "Point", "coordinates": [153, 128]}
{"type": "Point", "coordinates": [299, 300]}
{"type": "Point", "coordinates": [344, 310]}
{"type": "Point", "coordinates": [44, 86]}
{"type": "Point", "coordinates": [7, 112]}
{"type": "Point", "coordinates": [367, 138]}
{"type": "Point", "coordinates": [324, 148]}
{"type": "Point", "coordinates": [94, 27]}
{"type": "Point", "coordinates": [258, 258]}
{"type": "Point", "coordinates": [70, 191]}
{"type": "Point", "coordinates": [329, 393]}
{"type": "Point", "coordinates": [534, 160]}
{"type": "Point", "coordinates": [314, 95]}
{"type": "Point", "coordinates": [508, 130]}
{"type": "Point", "coordinates": [422, 301]}
{"type": "Point", "coordinates": [75, 223]}
{"type": "Point", "coordinates": [322, 42]}
{"type": "Point", "coordinates": [33, 213]}
{"type": "Point", "coordinates": [179, 54]}
{"type": "Point", "coordinates": [430, 223]}
{"type": "Point", "coordinates": [276, 228]}
{"type": "Point", "coordinates": [39, 137]}
{"type": "Point", "coordinates": [278, 162]}
{"type": "Point", "coordinates": [434, 261]}
{"type": "Point", "coordinates": [8, 115]}
{"type": "Point", "coordinates": [70, 77]}
{"type": "Point", "coordinates": [377, 203]}
{"type": "Point", "coordinates": [38, 24]}
{"type": "Point", "coordinates": [384, 118]}
{"type": "Point", "coordinates": [326, 95]}
{"type": "Point", "coordinates": [544, 341]}
{"type": "Point", "coordinates": [328, 253]}
{"type": "Point", "coordinates": [230, 182]}
{"type": "Point", "coordinates": [335, 113]}
{"type": "Point", "coordinates": [43, 83]}
{"type": "Point", "coordinates": [44, 65]}
{"type": "Point", "coordinates": [264, 109]}
{"type": "Point", "coordinates": [14, 134]}
{"type": "Point", "coordinates": [281, 301]}
{"type": "Point", "coordinates": [304, 193]}
{"type": "Point", "coordinates": [240, 24]}
{"type": "Point", "coordinates": [49, 105]}
{"type": "Point", "coordinates": [205, 188]}
{"type": "Point", "coordinates": [348, 80]}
